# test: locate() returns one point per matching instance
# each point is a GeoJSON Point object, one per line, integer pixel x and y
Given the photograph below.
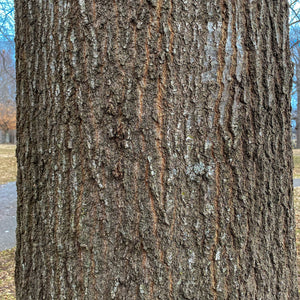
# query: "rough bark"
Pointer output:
{"type": "Point", "coordinates": [154, 152]}
{"type": "Point", "coordinates": [298, 106]}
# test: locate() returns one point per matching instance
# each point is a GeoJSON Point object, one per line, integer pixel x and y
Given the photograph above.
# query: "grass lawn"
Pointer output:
{"type": "Point", "coordinates": [7, 266]}
{"type": "Point", "coordinates": [8, 163]}
{"type": "Point", "coordinates": [8, 171]}
{"type": "Point", "coordinates": [296, 173]}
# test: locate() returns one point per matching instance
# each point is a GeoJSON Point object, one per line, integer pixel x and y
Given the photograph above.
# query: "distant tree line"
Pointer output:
{"type": "Point", "coordinates": [295, 50]}
{"type": "Point", "coordinates": [7, 73]}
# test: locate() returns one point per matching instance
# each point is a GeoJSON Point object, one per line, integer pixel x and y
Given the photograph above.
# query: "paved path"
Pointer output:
{"type": "Point", "coordinates": [8, 206]}
{"type": "Point", "coordinates": [296, 182]}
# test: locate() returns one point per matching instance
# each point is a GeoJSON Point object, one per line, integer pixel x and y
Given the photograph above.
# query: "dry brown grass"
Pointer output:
{"type": "Point", "coordinates": [8, 163]}
{"type": "Point", "coordinates": [296, 173]}
{"type": "Point", "coordinates": [7, 267]}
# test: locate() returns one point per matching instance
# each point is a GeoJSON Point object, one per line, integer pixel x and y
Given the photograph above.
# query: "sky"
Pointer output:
{"type": "Point", "coordinates": [7, 22]}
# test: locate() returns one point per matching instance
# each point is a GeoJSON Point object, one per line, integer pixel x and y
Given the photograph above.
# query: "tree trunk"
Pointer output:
{"type": "Point", "coordinates": [154, 150]}
{"type": "Point", "coordinates": [5, 136]}
{"type": "Point", "coordinates": [298, 106]}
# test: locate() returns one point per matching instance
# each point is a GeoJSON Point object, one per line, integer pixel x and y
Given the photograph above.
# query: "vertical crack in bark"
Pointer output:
{"type": "Point", "coordinates": [228, 121]}
{"type": "Point", "coordinates": [94, 133]}
{"type": "Point", "coordinates": [148, 279]}
{"type": "Point", "coordinates": [232, 73]}
{"type": "Point", "coordinates": [91, 252]}
{"type": "Point", "coordinates": [78, 210]}
{"type": "Point", "coordinates": [171, 236]}
{"type": "Point", "coordinates": [158, 13]}
{"type": "Point", "coordinates": [136, 198]}
{"type": "Point", "coordinates": [171, 31]}
{"type": "Point", "coordinates": [254, 90]}
{"type": "Point", "coordinates": [221, 61]}
{"type": "Point", "coordinates": [59, 106]}
{"type": "Point", "coordinates": [161, 85]}
{"type": "Point", "coordinates": [155, 222]}
{"type": "Point", "coordinates": [94, 11]}
{"type": "Point", "coordinates": [161, 82]}
{"type": "Point", "coordinates": [140, 112]}
{"type": "Point", "coordinates": [138, 218]}
{"type": "Point", "coordinates": [158, 103]}
{"type": "Point", "coordinates": [152, 205]}
{"type": "Point", "coordinates": [56, 221]}
{"type": "Point", "coordinates": [134, 40]}
{"type": "Point", "coordinates": [142, 86]}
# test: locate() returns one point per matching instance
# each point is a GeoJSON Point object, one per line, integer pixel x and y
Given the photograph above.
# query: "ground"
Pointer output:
{"type": "Point", "coordinates": [7, 266]}
{"type": "Point", "coordinates": [8, 173]}
{"type": "Point", "coordinates": [8, 165]}
{"type": "Point", "coordinates": [296, 173]}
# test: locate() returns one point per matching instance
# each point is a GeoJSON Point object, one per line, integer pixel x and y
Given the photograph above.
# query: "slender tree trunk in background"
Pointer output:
{"type": "Point", "coordinates": [154, 152]}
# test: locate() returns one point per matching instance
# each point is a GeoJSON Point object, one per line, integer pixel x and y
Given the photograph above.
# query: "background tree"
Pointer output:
{"type": "Point", "coordinates": [7, 118]}
{"type": "Point", "coordinates": [295, 50]}
{"type": "Point", "coordinates": [294, 6]}
{"type": "Point", "coordinates": [154, 150]}
{"type": "Point", "coordinates": [7, 72]}
{"type": "Point", "coordinates": [7, 21]}
{"type": "Point", "coordinates": [7, 95]}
